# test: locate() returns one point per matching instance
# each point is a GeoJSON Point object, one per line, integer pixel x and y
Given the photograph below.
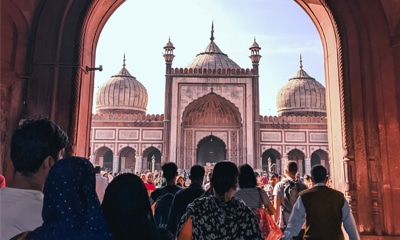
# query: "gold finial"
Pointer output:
{"type": "Point", "coordinates": [212, 31]}
{"type": "Point", "coordinates": [301, 62]}
{"type": "Point", "coordinates": [123, 65]}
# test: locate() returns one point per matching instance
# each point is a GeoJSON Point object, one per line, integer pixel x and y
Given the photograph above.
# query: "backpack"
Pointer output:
{"type": "Point", "coordinates": [162, 208]}
{"type": "Point", "coordinates": [291, 191]}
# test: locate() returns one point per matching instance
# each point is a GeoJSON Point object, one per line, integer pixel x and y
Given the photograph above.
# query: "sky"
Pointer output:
{"type": "Point", "coordinates": [141, 28]}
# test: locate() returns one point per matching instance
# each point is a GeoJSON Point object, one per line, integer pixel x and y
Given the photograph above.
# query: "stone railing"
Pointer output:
{"type": "Point", "coordinates": [128, 117]}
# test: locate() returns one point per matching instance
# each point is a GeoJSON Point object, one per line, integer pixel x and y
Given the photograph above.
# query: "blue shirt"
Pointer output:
{"type": "Point", "coordinates": [298, 216]}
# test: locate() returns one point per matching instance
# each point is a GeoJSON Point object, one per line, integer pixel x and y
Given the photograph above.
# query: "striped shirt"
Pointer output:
{"type": "Point", "coordinates": [251, 197]}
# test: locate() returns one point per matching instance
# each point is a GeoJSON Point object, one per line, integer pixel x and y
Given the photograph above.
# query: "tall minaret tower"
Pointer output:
{"type": "Point", "coordinates": [169, 57]}
{"type": "Point", "coordinates": [255, 59]}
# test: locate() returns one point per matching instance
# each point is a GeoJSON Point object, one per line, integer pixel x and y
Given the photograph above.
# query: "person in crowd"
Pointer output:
{"type": "Point", "coordinates": [149, 184]}
{"type": "Point", "coordinates": [323, 209]}
{"type": "Point", "coordinates": [170, 171]}
{"type": "Point", "coordinates": [253, 196]}
{"type": "Point", "coordinates": [143, 177]}
{"type": "Point", "coordinates": [186, 196]}
{"type": "Point", "coordinates": [2, 181]}
{"type": "Point", "coordinates": [71, 208]}
{"type": "Point", "coordinates": [269, 187]}
{"type": "Point", "coordinates": [127, 209]}
{"type": "Point", "coordinates": [35, 146]}
{"type": "Point", "coordinates": [282, 204]}
{"type": "Point", "coordinates": [109, 176]}
{"type": "Point", "coordinates": [220, 216]}
{"type": "Point", "coordinates": [208, 183]}
{"type": "Point", "coordinates": [180, 181]}
{"type": "Point", "coordinates": [101, 183]}
{"type": "Point", "coordinates": [263, 180]}
{"type": "Point", "coordinates": [307, 180]}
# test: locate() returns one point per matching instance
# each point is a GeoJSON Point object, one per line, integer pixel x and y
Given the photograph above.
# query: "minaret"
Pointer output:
{"type": "Point", "coordinates": [169, 57]}
{"type": "Point", "coordinates": [255, 59]}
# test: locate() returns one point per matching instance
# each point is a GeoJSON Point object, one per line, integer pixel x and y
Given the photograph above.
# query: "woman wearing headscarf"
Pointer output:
{"type": "Point", "coordinates": [71, 209]}
{"type": "Point", "coordinates": [126, 207]}
{"type": "Point", "coordinates": [221, 215]}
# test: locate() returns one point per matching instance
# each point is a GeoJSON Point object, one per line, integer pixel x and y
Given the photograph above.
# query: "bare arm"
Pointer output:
{"type": "Point", "coordinates": [277, 205]}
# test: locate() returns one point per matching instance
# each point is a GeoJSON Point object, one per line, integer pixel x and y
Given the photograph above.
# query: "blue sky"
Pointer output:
{"type": "Point", "coordinates": [140, 30]}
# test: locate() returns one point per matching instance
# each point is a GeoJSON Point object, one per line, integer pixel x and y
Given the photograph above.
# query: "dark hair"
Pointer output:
{"type": "Point", "coordinates": [307, 177]}
{"type": "Point", "coordinates": [97, 169]}
{"type": "Point", "coordinates": [273, 174]}
{"type": "Point", "coordinates": [169, 170]}
{"type": "Point", "coordinates": [197, 172]}
{"type": "Point", "coordinates": [247, 177]}
{"type": "Point", "coordinates": [33, 141]}
{"type": "Point", "coordinates": [291, 166]}
{"type": "Point", "coordinates": [224, 176]}
{"type": "Point", "coordinates": [318, 173]}
{"type": "Point", "coordinates": [127, 208]}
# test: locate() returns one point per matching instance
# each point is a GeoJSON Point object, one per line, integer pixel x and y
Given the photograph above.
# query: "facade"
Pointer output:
{"type": "Point", "coordinates": [211, 113]}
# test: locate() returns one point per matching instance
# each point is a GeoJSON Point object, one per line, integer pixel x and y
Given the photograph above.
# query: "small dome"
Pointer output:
{"type": "Point", "coordinates": [169, 44]}
{"type": "Point", "coordinates": [212, 57]}
{"type": "Point", "coordinates": [122, 93]}
{"type": "Point", "coordinates": [302, 95]}
{"type": "Point", "coordinates": [254, 45]}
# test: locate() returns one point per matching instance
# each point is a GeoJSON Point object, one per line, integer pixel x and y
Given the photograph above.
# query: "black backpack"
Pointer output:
{"type": "Point", "coordinates": [291, 191]}
{"type": "Point", "coordinates": [162, 209]}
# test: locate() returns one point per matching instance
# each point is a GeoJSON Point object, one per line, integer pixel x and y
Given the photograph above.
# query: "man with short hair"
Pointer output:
{"type": "Point", "coordinates": [324, 210]}
{"type": "Point", "coordinates": [35, 147]}
{"type": "Point", "coordinates": [282, 204]}
{"type": "Point", "coordinates": [186, 196]}
{"type": "Point", "coordinates": [170, 171]}
{"type": "Point", "coordinates": [269, 187]}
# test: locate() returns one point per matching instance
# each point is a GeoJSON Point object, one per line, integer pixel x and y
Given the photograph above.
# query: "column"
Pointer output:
{"type": "Point", "coordinates": [308, 165]}
{"type": "Point", "coordinates": [123, 159]}
{"type": "Point", "coordinates": [138, 163]}
{"type": "Point", "coordinates": [115, 164]}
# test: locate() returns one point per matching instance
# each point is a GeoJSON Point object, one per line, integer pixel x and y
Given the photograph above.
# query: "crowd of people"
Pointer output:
{"type": "Point", "coordinates": [53, 196]}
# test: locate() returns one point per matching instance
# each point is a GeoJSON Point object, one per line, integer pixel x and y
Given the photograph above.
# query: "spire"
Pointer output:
{"type": "Point", "coordinates": [123, 65]}
{"type": "Point", "coordinates": [301, 62]}
{"type": "Point", "coordinates": [212, 32]}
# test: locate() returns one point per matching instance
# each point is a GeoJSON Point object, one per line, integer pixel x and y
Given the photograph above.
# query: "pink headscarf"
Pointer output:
{"type": "Point", "coordinates": [2, 181]}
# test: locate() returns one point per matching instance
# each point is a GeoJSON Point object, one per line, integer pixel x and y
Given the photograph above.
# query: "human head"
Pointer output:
{"type": "Point", "coordinates": [247, 177]}
{"type": "Point", "coordinates": [149, 177]}
{"type": "Point", "coordinates": [273, 178]}
{"type": "Point", "coordinates": [127, 208]}
{"type": "Point", "coordinates": [35, 141]}
{"type": "Point", "coordinates": [180, 181]}
{"type": "Point", "coordinates": [224, 177]}
{"type": "Point", "coordinates": [197, 173]}
{"type": "Point", "coordinates": [319, 174]}
{"type": "Point", "coordinates": [170, 170]}
{"type": "Point", "coordinates": [71, 208]}
{"type": "Point", "coordinates": [143, 177]}
{"type": "Point", "coordinates": [97, 169]}
{"type": "Point", "coordinates": [291, 169]}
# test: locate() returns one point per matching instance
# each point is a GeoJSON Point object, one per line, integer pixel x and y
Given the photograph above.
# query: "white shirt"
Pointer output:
{"type": "Point", "coordinates": [101, 185]}
{"type": "Point", "coordinates": [20, 211]}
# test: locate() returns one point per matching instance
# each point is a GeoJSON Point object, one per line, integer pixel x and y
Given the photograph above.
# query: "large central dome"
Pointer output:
{"type": "Point", "coordinates": [212, 57]}
{"type": "Point", "coordinates": [122, 93]}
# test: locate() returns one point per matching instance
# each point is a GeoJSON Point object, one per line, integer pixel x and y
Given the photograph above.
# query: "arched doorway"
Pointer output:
{"type": "Point", "coordinates": [153, 159]}
{"type": "Point", "coordinates": [104, 158]}
{"type": "Point", "coordinates": [210, 150]}
{"type": "Point", "coordinates": [127, 160]}
{"type": "Point", "coordinates": [269, 160]}
{"type": "Point", "coordinates": [320, 157]}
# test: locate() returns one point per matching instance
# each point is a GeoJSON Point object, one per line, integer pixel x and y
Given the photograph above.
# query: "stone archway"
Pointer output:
{"type": "Point", "coordinates": [210, 150]}
{"type": "Point", "coordinates": [104, 158]}
{"type": "Point", "coordinates": [270, 160]}
{"type": "Point", "coordinates": [320, 157]}
{"type": "Point", "coordinates": [361, 68]}
{"type": "Point", "coordinates": [127, 160]}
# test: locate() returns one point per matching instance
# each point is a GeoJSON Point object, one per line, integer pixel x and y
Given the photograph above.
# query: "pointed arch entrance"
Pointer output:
{"type": "Point", "coordinates": [270, 160]}
{"type": "Point", "coordinates": [210, 150]}
{"type": "Point", "coordinates": [211, 130]}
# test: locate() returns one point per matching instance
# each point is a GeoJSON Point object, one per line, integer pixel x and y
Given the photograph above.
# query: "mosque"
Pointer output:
{"type": "Point", "coordinates": [211, 113]}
